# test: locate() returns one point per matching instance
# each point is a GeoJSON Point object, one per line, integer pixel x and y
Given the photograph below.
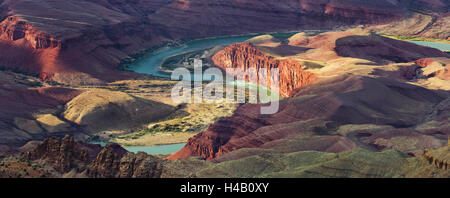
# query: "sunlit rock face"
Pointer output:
{"type": "Point", "coordinates": [246, 57]}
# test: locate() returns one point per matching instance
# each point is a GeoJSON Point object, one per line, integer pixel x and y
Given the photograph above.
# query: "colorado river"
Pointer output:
{"type": "Point", "coordinates": [150, 64]}
{"type": "Point", "coordinates": [152, 150]}
{"type": "Point", "coordinates": [437, 45]}
{"type": "Point", "coordinates": [157, 149]}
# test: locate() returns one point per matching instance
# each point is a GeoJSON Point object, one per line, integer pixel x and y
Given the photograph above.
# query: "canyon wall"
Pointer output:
{"type": "Point", "coordinates": [244, 56]}
{"type": "Point", "coordinates": [82, 42]}
{"type": "Point", "coordinates": [224, 17]}
{"type": "Point", "coordinates": [75, 42]}
{"type": "Point", "coordinates": [14, 28]}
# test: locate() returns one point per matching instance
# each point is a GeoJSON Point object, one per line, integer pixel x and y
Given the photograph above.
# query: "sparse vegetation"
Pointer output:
{"type": "Point", "coordinates": [359, 163]}
{"type": "Point", "coordinates": [186, 121]}
{"type": "Point", "coordinates": [17, 167]}
{"type": "Point", "coordinates": [190, 118]}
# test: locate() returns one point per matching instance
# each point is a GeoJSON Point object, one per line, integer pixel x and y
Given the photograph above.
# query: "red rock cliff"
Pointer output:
{"type": "Point", "coordinates": [14, 28]}
{"type": "Point", "coordinates": [245, 55]}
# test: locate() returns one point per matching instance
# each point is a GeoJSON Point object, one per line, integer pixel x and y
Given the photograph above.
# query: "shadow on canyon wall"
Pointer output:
{"type": "Point", "coordinates": [382, 50]}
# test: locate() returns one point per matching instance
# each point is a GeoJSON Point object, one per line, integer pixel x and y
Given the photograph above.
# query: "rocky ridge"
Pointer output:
{"type": "Point", "coordinates": [64, 155]}
{"type": "Point", "coordinates": [112, 161]}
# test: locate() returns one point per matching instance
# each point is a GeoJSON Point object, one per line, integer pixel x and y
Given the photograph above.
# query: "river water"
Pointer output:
{"type": "Point", "coordinates": [155, 150]}
{"type": "Point", "coordinates": [152, 150]}
{"type": "Point", "coordinates": [150, 65]}
{"type": "Point", "coordinates": [437, 45]}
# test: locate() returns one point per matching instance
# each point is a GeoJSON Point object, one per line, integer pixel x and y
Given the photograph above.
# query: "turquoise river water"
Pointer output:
{"type": "Point", "coordinates": [150, 65]}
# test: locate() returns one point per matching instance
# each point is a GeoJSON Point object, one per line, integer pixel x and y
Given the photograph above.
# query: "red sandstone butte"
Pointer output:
{"type": "Point", "coordinates": [245, 56]}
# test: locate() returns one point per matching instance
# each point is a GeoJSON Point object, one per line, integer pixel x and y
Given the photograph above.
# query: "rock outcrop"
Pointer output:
{"type": "Point", "coordinates": [140, 165]}
{"type": "Point", "coordinates": [112, 161]}
{"type": "Point", "coordinates": [115, 162]}
{"type": "Point", "coordinates": [15, 28]}
{"type": "Point", "coordinates": [424, 62]}
{"type": "Point", "coordinates": [107, 162]}
{"type": "Point", "coordinates": [63, 155]}
{"type": "Point", "coordinates": [244, 56]}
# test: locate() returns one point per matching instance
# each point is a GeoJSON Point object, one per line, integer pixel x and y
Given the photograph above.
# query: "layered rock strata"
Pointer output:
{"type": "Point", "coordinates": [259, 67]}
